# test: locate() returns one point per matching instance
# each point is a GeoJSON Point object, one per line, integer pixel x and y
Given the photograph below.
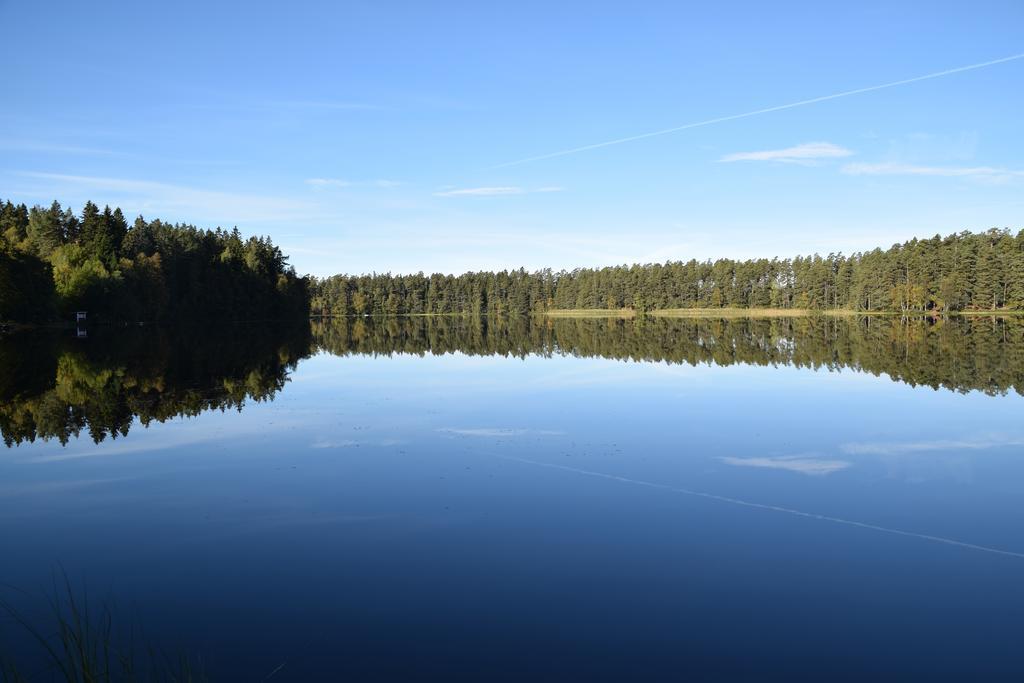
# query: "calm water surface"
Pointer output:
{"type": "Point", "coordinates": [448, 499]}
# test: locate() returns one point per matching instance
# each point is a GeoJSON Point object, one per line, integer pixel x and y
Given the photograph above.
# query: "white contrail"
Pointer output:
{"type": "Point", "coordinates": [767, 110]}
{"type": "Point", "coordinates": [764, 506]}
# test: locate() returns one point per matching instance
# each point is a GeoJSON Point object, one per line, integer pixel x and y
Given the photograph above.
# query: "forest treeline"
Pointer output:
{"type": "Point", "coordinates": [960, 272]}
{"type": "Point", "coordinates": [53, 262]}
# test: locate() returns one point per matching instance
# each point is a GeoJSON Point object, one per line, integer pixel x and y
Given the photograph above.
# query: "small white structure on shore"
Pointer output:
{"type": "Point", "coordinates": [80, 316]}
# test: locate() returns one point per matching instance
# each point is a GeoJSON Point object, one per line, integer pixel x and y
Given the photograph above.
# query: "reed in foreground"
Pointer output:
{"type": "Point", "coordinates": [81, 644]}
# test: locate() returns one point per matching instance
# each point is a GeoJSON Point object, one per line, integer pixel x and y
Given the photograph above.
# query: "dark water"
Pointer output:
{"type": "Point", "coordinates": [439, 499]}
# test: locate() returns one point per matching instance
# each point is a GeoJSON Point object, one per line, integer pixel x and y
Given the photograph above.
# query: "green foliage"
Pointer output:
{"type": "Point", "coordinates": [507, 292]}
{"type": "Point", "coordinates": [156, 271]}
{"type": "Point", "coordinates": [26, 287]}
{"type": "Point", "coordinates": [82, 281]}
{"type": "Point", "coordinates": [13, 224]}
{"type": "Point", "coordinates": [148, 272]}
{"type": "Point", "coordinates": [45, 231]}
{"type": "Point", "coordinates": [983, 271]}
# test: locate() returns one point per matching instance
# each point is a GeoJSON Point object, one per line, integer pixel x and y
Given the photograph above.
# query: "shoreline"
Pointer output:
{"type": "Point", "coordinates": [767, 313]}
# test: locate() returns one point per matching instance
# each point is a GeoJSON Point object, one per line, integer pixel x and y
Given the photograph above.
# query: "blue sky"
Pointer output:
{"type": "Point", "coordinates": [377, 136]}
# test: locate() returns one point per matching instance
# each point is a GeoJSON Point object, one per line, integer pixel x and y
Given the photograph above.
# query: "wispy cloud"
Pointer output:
{"type": "Point", "coordinates": [480, 192]}
{"type": "Point", "coordinates": [486, 431]}
{"type": "Point", "coordinates": [806, 152]}
{"type": "Point", "coordinates": [321, 104]}
{"type": "Point", "coordinates": [52, 148]}
{"type": "Point", "coordinates": [766, 110]}
{"type": "Point", "coordinates": [766, 507]}
{"type": "Point", "coordinates": [321, 444]}
{"type": "Point", "coordinates": [187, 202]}
{"type": "Point", "coordinates": [189, 434]}
{"type": "Point", "coordinates": [901, 447]}
{"type": "Point", "coordinates": [893, 168]}
{"type": "Point", "coordinates": [328, 182]}
{"type": "Point", "coordinates": [341, 182]}
{"type": "Point", "coordinates": [58, 486]}
{"type": "Point", "coordinates": [811, 466]}
{"type": "Point", "coordinates": [498, 432]}
{"type": "Point", "coordinates": [327, 443]}
{"type": "Point", "coordinates": [494, 191]}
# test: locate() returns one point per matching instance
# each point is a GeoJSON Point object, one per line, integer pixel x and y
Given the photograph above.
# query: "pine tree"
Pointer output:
{"type": "Point", "coordinates": [91, 234]}
{"type": "Point", "coordinates": [45, 230]}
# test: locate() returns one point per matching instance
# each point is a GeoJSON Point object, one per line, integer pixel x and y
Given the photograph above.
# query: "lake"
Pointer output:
{"type": "Point", "coordinates": [818, 498]}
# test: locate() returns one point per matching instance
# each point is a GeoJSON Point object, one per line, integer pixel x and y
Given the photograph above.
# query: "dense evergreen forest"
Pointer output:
{"type": "Point", "coordinates": [53, 262]}
{"type": "Point", "coordinates": [961, 272]}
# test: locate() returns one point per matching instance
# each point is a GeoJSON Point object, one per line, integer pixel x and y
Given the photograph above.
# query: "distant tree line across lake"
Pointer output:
{"type": "Point", "coordinates": [54, 262]}
{"type": "Point", "coordinates": [57, 387]}
{"type": "Point", "coordinates": [961, 272]}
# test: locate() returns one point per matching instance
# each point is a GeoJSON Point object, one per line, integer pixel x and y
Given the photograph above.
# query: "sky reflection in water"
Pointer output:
{"type": "Point", "coordinates": [463, 515]}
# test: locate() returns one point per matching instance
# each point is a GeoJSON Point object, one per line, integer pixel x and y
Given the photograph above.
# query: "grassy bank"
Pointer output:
{"type": "Point", "coordinates": [692, 313]}
{"type": "Point", "coordinates": [733, 313]}
{"type": "Point", "coordinates": [800, 312]}
{"type": "Point", "coordinates": [998, 313]}
{"type": "Point", "coordinates": [591, 313]}
{"type": "Point", "coordinates": [760, 313]}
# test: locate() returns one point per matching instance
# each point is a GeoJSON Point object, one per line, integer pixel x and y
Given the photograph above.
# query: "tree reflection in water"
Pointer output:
{"type": "Point", "coordinates": [56, 386]}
